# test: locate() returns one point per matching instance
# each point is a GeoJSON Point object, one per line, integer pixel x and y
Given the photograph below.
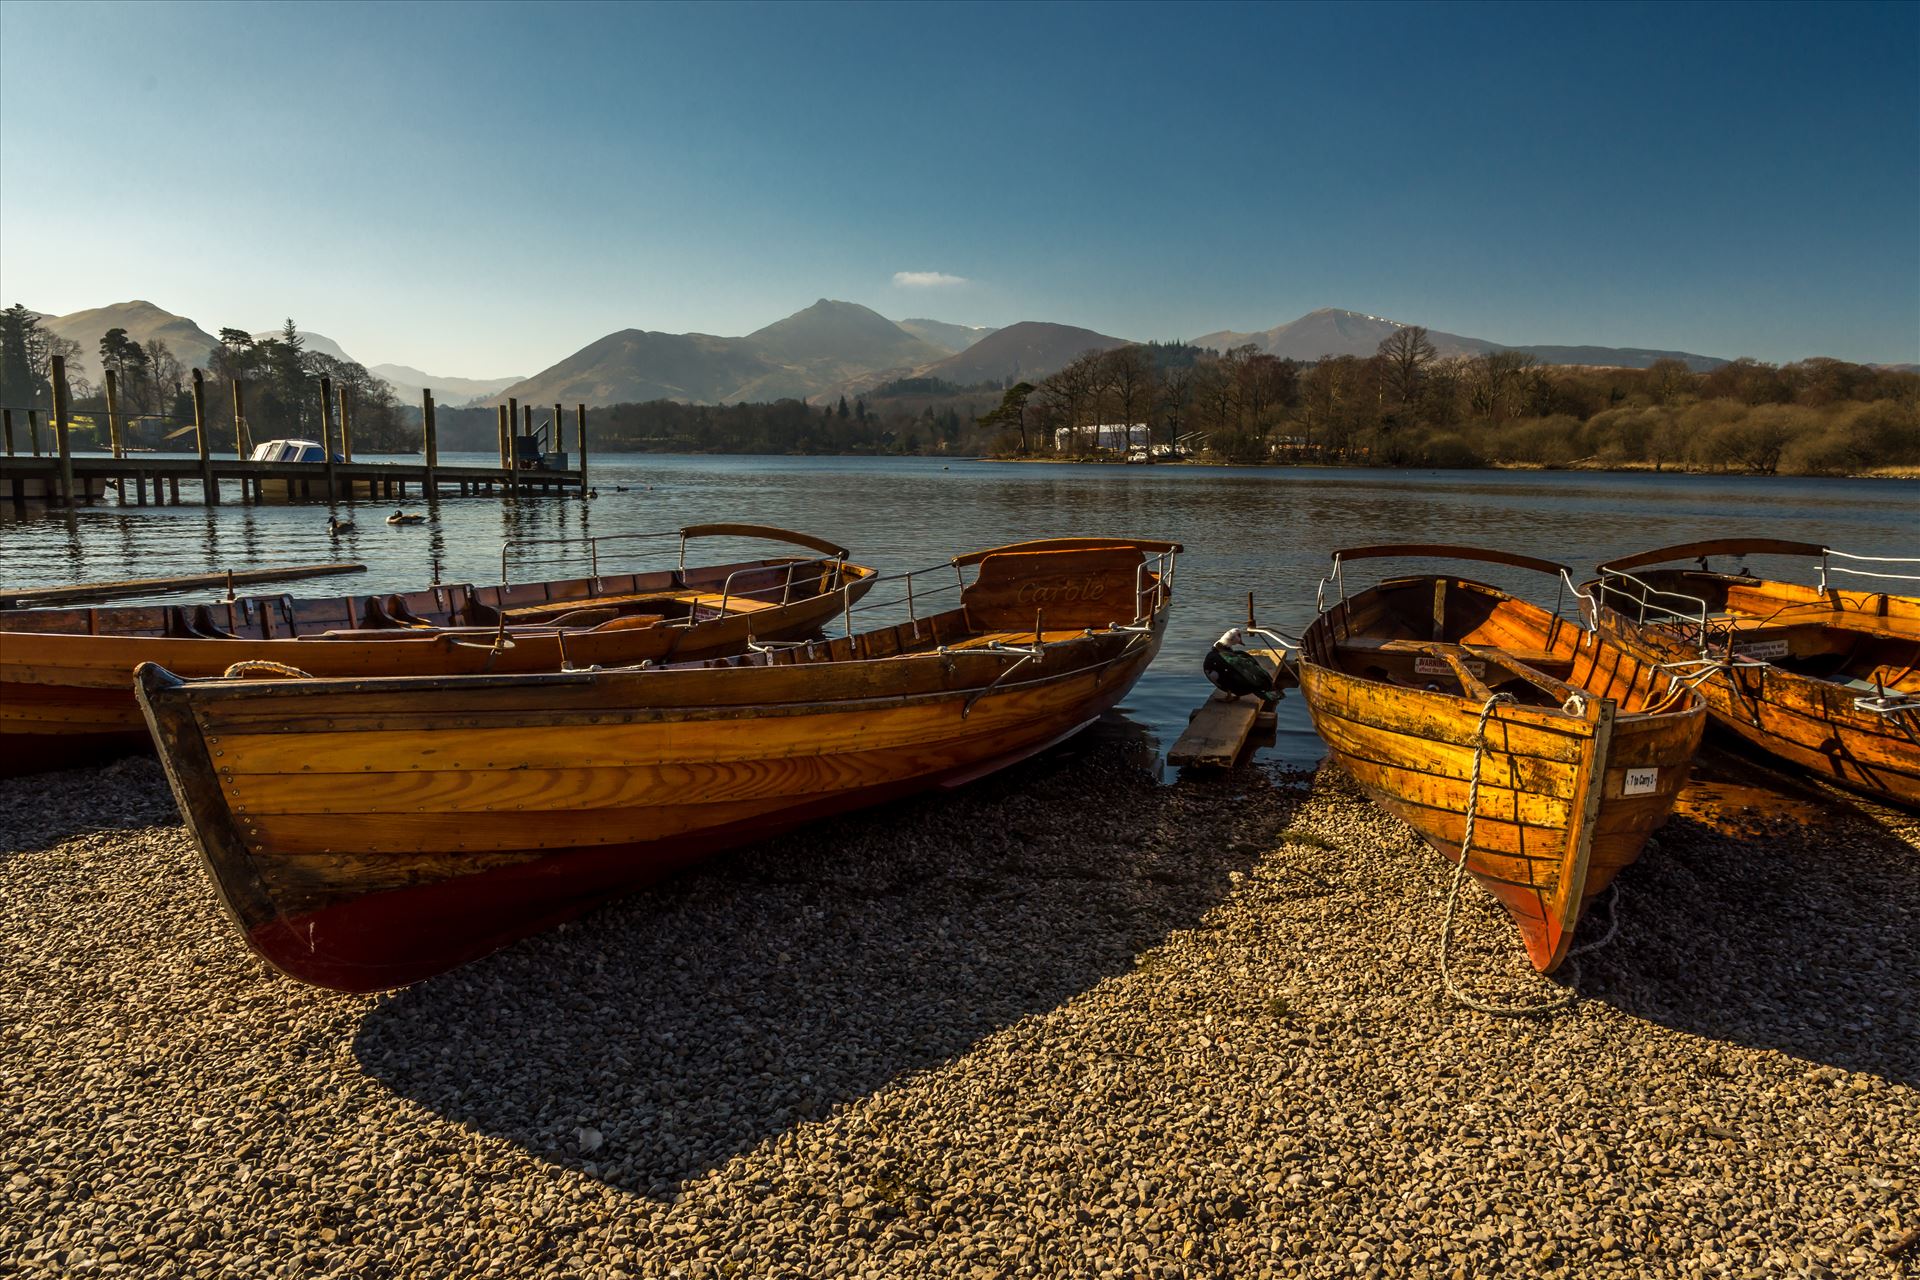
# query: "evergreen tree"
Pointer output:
{"type": "Point", "coordinates": [17, 386]}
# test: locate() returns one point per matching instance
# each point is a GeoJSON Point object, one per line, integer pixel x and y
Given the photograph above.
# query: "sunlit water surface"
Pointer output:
{"type": "Point", "coordinates": [1265, 530]}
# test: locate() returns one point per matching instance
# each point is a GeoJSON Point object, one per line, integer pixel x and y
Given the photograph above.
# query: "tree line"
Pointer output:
{"type": "Point", "coordinates": [1405, 406]}
{"type": "Point", "coordinates": [280, 378]}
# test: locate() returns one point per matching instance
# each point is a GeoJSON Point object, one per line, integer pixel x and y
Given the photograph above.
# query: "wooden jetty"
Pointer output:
{"type": "Point", "coordinates": [61, 477]}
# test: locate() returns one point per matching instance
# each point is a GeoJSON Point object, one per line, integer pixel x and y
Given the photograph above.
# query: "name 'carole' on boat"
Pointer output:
{"type": "Point", "coordinates": [367, 833]}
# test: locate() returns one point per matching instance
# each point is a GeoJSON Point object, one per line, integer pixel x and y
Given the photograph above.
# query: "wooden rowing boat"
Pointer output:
{"type": "Point", "coordinates": [1826, 678]}
{"type": "Point", "coordinates": [1583, 753]}
{"type": "Point", "coordinates": [367, 833]}
{"type": "Point", "coordinates": [66, 675]}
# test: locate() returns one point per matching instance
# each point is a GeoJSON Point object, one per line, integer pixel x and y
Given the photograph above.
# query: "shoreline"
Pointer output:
{"type": "Point", "coordinates": [1063, 1021]}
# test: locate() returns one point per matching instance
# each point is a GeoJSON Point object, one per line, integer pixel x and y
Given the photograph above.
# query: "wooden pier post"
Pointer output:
{"type": "Point", "coordinates": [209, 487]}
{"type": "Point", "coordinates": [6, 415]}
{"type": "Point", "coordinates": [346, 429]}
{"type": "Point", "coordinates": [507, 411]}
{"type": "Point", "coordinates": [60, 429]}
{"type": "Point", "coordinates": [510, 458]}
{"type": "Point", "coordinates": [580, 438]}
{"type": "Point", "coordinates": [326, 434]}
{"type": "Point", "coordinates": [33, 430]}
{"type": "Point", "coordinates": [113, 414]}
{"type": "Point", "coordinates": [432, 441]}
{"type": "Point", "coordinates": [242, 447]}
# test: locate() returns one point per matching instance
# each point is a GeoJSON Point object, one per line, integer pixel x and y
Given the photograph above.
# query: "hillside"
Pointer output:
{"type": "Point", "coordinates": [951, 338]}
{"type": "Point", "coordinates": [1333, 332]}
{"type": "Point", "coordinates": [407, 383]}
{"type": "Point", "coordinates": [637, 365]}
{"type": "Point", "coordinates": [1031, 350]}
{"type": "Point", "coordinates": [836, 339]}
{"type": "Point", "coordinates": [143, 322]}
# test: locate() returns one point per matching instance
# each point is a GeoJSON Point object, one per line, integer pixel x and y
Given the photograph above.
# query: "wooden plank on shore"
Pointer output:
{"type": "Point", "coordinates": [84, 592]}
{"type": "Point", "coordinates": [1217, 733]}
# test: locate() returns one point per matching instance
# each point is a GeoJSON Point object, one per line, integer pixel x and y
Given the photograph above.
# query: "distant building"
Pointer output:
{"type": "Point", "coordinates": [1107, 435]}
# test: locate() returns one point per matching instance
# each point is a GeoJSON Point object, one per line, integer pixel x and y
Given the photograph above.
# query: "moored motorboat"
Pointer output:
{"type": "Point", "coordinates": [66, 675]}
{"type": "Point", "coordinates": [367, 833]}
{"type": "Point", "coordinates": [1824, 677]}
{"type": "Point", "coordinates": [1461, 708]}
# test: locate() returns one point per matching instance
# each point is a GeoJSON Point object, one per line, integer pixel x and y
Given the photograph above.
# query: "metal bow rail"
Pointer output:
{"type": "Point", "coordinates": [1827, 566]}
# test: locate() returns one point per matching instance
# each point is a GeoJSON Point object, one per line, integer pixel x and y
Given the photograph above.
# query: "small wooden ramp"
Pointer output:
{"type": "Point", "coordinates": [1217, 732]}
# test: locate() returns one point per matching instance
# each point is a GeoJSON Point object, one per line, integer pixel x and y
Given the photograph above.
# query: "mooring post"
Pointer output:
{"type": "Point", "coordinates": [346, 429]}
{"type": "Point", "coordinates": [113, 414]}
{"type": "Point", "coordinates": [513, 446]}
{"type": "Point", "coordinates": [506, 442]}
{"type": "Point", "coordinates": [209, 487]}
{"type": "Point", "coordinates": [6, 415]}
{"type": "Point", "coordinates": [326, 434]}
{"type": "Point", "coordinates": [33, 430]}
{"type": "Point", "coordinates": [432, 440]}
{"type": "Point", "coordinates": [242, 447]}
{"type": "Point", "coordinates": [60, 429]}
{"type": "Point", "coordinates": [580, 437]}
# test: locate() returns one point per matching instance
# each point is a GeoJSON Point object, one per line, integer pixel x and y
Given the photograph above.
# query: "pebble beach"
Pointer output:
{"type": "Point", "coordinates": [1069, 1021]}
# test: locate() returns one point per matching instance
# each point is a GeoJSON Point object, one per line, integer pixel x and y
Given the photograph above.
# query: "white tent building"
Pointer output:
{"type": "Point", "coordinates": [1107, 435]}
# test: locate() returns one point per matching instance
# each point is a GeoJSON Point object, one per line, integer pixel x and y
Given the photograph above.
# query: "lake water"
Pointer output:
{"type": "Point", "coordinates": [1265, 530]}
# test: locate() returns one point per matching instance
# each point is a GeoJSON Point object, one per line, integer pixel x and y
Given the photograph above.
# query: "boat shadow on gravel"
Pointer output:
{"type": "Point", "coordinates": [692, 1023]}
{"type": "Point", "coordinates": [1784, 920]}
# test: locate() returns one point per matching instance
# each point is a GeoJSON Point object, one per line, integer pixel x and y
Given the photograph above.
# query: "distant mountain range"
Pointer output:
{"type": "Point", "coordinates": [948, 337]}
{"type": "Point", "coordinates": [824, 351]}
{"type": "Point", "coordinates": [1332, 332]}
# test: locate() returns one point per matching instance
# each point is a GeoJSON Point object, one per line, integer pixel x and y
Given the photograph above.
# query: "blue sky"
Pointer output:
{"type": "Point", "coordinates": [482, 190]}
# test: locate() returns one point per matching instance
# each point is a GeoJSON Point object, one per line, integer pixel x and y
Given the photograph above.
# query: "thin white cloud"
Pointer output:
{"type": "Point", "coordinates": [925, 279]}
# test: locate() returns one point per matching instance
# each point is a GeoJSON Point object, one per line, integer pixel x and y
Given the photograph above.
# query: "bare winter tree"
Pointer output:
{"type": "Point", "coordinates": [1406, 353]}
{"type": "Point", "coordinates": [1129, 386]}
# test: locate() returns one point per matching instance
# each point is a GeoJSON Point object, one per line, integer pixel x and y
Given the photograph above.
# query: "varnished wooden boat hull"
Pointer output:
{"type": "Point", "coordinates": [1567, 798]}
{"type": "Point", "coordinates": [67, 699]}
{"type": "Point", "coordinates": [366, 834]}
{"type": "Point", "coordinates": [1802, 719]}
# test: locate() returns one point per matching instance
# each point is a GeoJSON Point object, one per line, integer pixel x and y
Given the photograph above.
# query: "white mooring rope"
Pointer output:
{"type": "Point", "coordinates": [1539, 1009]}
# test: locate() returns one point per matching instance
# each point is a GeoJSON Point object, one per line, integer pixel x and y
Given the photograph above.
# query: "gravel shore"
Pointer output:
{"type": "Point", "coordinates": [1065, 1022]}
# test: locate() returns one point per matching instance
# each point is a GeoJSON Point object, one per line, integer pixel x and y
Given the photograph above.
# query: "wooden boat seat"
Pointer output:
{"type": "Point", "coordinates": [1019, 639]}
{"type": "Point", "coordinates": [735, 603]}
